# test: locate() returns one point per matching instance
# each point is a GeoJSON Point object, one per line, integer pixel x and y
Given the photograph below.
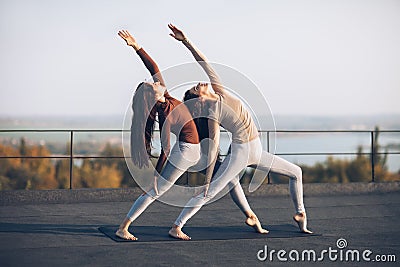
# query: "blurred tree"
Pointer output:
{"type": "Point", "coordinates": [359, 169]}
{"type": "Point", "coordinates": [27, 173]}
{"type": "Point", "coordinates": [96, 174]}
{"type": "Point", "coordinates": [22, 148]}
{"type": "Point", "coordinates": [42, 171]}
{"type": "Point", "coordinates": [62, 173]}
{"type": "Point", "coordinates": [381, 170]}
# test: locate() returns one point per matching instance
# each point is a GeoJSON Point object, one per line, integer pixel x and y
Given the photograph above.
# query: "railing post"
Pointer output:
{"type": "Point", "coordinates": [71, 158]}
{"type": "Point", "coordinates": [268, 176]}
{"type": "Point", "coordinates": [372, 157]}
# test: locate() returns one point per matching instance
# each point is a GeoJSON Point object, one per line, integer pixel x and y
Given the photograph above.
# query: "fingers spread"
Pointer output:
{"type": "Point", "coordinates": [122, 34]}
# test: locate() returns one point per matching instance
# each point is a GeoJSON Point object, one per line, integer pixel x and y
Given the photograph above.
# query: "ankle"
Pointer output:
{"type": "Point", "coordinates": [254, 217]}
{"type": "Point", "coordinates": [299, 216]}
{"type": "Point", "coordinates": [124, 226]}
{"type": "Point", "coordinates": [251, 215]}
{"type": "Point", "coordinates": [176, 227]}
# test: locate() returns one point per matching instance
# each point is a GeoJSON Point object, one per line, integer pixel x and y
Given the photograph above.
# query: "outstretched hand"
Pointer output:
{"type": "Point", "coordinates": [124, 34]}
{"type": "Point", "coordinates": [176, 33]}
{"type": "Point", "coordinates": [207, 186]}
{"type": "Point", "coordinates": [155, 185]}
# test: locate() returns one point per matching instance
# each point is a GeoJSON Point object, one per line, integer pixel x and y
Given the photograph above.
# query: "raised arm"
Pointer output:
{"type": "Point", "coordinates": [200, 58]}
{"type": "Point", "coordinates": [150, 64]}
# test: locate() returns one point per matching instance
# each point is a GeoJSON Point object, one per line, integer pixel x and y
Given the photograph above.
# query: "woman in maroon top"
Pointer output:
{"type": "Point", "coordinates": [149, 100]}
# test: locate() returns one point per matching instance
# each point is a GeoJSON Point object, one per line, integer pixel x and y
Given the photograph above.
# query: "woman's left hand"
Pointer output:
{"type": "Point", "coordinates": [176, 33]}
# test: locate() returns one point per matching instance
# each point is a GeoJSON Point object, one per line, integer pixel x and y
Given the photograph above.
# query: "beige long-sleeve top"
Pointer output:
{"type": "Point", "coordinates": [228, 111]}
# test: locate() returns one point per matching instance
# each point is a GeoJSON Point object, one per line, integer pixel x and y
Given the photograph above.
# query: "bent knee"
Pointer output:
{"type": "Point", "coordinates": [297, 173]}
{"type": "Point", "coordinates": [152, 194]}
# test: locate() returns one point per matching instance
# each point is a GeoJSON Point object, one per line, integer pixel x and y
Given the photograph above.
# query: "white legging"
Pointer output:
{"type": "Point", "coordinates": [243, 155]}
{"type": "Point", "coordinates": [235, 190]}
{"type": "Point", "coordinates": [171, 173]}
{"type": "Point", "coordinates": [182, 156]}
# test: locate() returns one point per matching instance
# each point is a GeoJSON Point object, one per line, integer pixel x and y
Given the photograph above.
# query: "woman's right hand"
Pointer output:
{"type": "Point", "coordinates": [124, 34]}
{"type": "Point", "coordinates": [155, 185]}
{"type": "Point", "coordinates": [176, 33]}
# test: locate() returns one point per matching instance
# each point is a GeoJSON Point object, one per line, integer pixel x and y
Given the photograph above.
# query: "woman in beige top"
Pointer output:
{"type": "Point", "coordinates": [222, 108]}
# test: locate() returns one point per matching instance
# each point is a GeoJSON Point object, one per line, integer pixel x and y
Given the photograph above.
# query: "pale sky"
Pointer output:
{"type": "Point", "coordinates": [317, 57]}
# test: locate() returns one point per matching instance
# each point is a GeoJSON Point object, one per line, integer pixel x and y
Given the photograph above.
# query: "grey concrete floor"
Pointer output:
{"type": "Point", "coordinates": [67, 234]}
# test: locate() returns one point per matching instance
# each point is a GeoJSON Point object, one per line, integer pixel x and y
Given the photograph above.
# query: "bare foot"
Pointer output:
{"type": "Point", "coordinates": [301, 219]}
{"type": "Point", "coordinates": [177, 233]}
{"type": "Point", "coordinates": [255, 223]}
{"type": "Point", "coordinates": [124, 234]}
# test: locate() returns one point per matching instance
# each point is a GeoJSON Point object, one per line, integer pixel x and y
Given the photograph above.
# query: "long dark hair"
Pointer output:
{"type": "Point", "coordinates": [142, 128]}
{"type": "Point", "coordinates": [196, 107]}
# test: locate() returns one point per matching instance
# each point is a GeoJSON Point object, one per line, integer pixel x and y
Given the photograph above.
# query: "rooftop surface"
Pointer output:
{"type": "Point", "coordinates": [60, 228]}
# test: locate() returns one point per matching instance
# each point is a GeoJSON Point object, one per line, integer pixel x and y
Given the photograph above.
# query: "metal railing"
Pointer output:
{"type": "Point", "coordinates": [372, 153]}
